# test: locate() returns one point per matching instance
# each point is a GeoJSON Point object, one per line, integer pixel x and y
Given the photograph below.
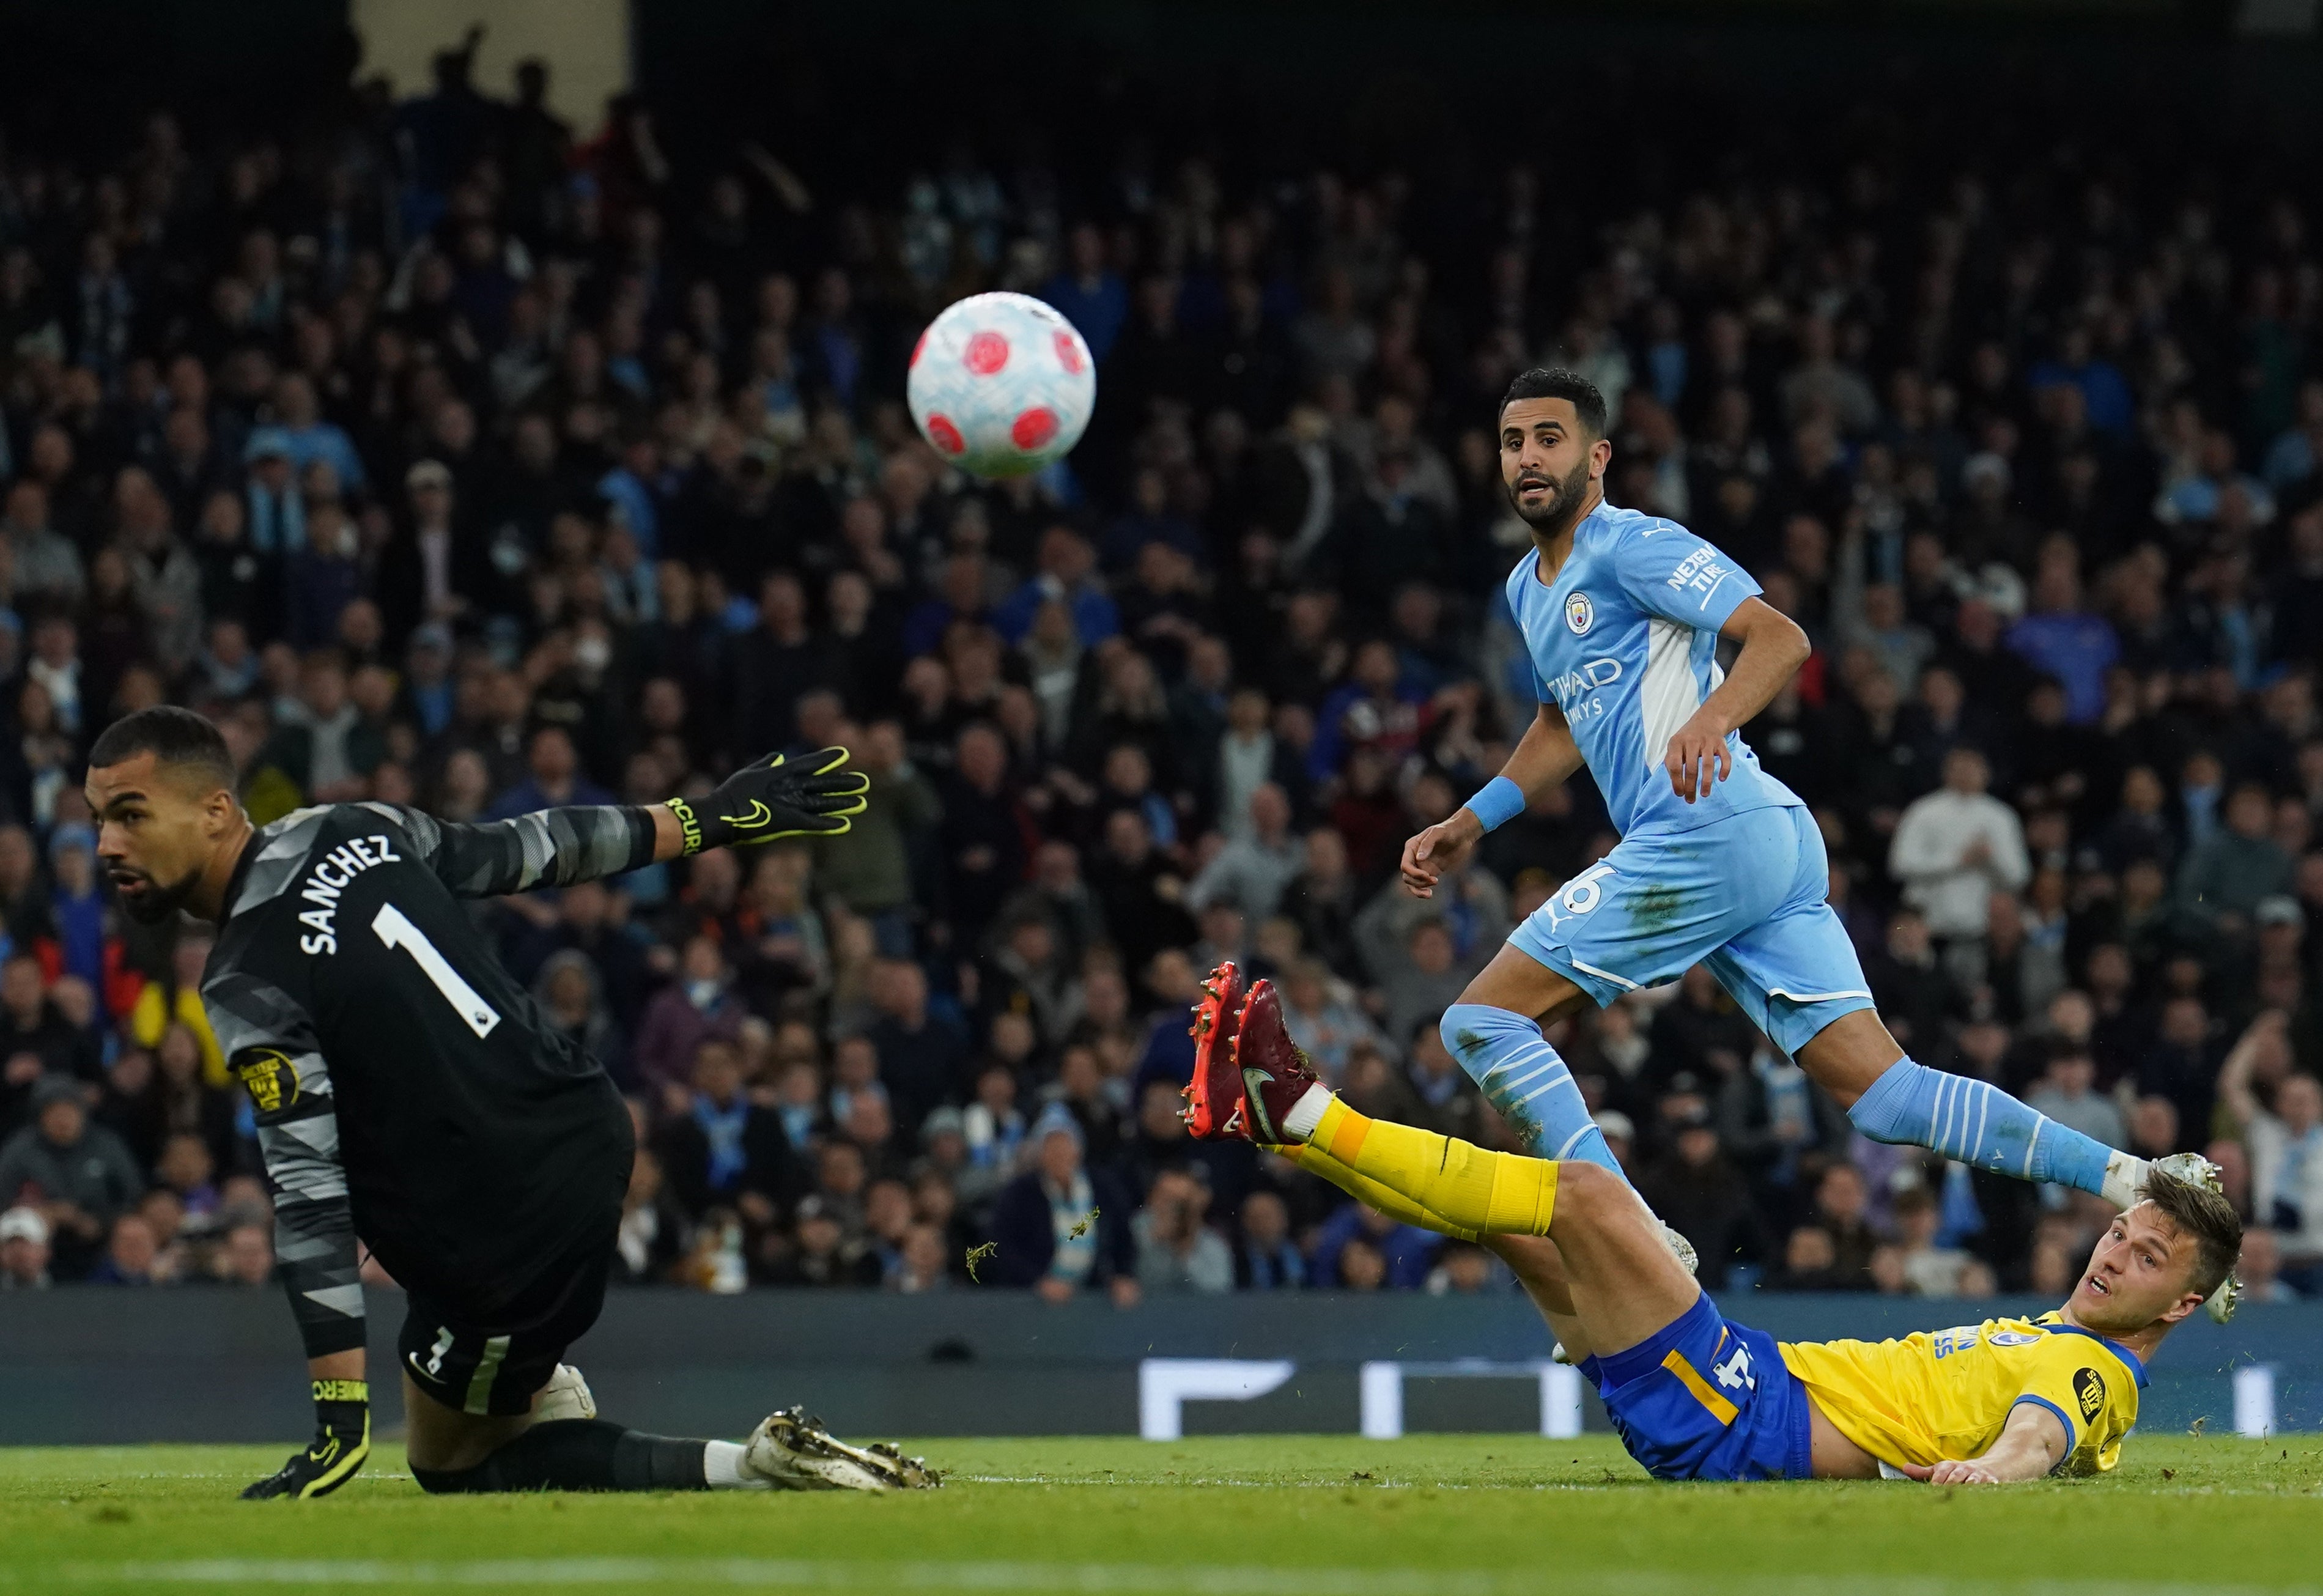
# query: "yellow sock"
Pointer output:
{"type": "Point", "coordinates": [1469, 1187]}
{"type": "Point", "coordinates": [1363, 1189]}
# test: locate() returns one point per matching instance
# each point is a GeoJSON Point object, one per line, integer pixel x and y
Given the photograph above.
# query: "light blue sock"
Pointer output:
{"type": "Point", "coordinates": [1977, 1122]}
{"type": "Point", "coordinates": [1524, 1079]}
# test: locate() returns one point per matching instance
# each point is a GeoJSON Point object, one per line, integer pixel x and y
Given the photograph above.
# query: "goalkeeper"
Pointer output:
{"type": "Point", "coordinates": [408, 1093]}
{"type": "Point", "coordinates": [1695, 1396]}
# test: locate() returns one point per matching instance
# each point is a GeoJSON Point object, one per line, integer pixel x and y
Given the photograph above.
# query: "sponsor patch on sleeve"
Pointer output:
{"type": "Point", "coordinates": [268, 1076]}
{"type": "Point", "coordinates": [2089, 1392]}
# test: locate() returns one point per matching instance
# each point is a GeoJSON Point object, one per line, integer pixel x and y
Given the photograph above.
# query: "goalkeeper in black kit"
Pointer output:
{"type": "Point", "coordinates": [408, 1094]}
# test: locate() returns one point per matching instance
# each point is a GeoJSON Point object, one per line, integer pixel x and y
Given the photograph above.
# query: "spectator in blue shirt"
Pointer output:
{"type": "Point", "coordinates": [276, 513]}
{"type": "Point", "coordinates": [1091, 295]}
{"type": "Point", "coordinates": [1408, 1251]}
{"type": "Point", "coordinates": [2066, 641]}
{"type": "Point", "coordinates": [1265, 1258]}
{"type": "Point", "coordinates": [1150, 518]}
{"type": "Point", "coordinates": [76, 906]}
{"type": "Point", "coordinates": [309, 438]}
{"type": "Point", "coordinates": [131, 1254]}
{"type": "Point", "coordinates": [1369, 707]}
{"type": "Point", "coordinates": [1068, 572]}
{"type": "Point", "coordinates": [2295, 453]}
{"type": "Point", "coordinates": [427, 686]}
{"type": "Point", "coordinates": [2112, 408]}
{"type": "Point", "coordinates": [835, 340]}
{"type": "Point", "coordinates": [633, 489]}
{"type": "Point", "coordinates": [556, 779]}
{"type": "Point", "coordinates": [960, 596]}
{"type": "Point", "coordinates": [2197, 496]}
{"type": "Point", "coordinates": [1061, 1228]}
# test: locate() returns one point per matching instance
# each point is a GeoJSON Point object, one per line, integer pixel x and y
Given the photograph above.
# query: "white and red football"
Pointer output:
{"type": "Point", "coordinates": [1001, 385]}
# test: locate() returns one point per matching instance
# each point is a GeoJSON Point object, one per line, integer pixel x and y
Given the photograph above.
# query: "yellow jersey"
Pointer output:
{"type": "Point", "coordinates": [155, 1009]}
{"type": "Point", "coordinates": [1939, 1394]}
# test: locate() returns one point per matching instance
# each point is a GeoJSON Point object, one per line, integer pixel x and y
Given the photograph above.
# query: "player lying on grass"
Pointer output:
{"type": "Point", "coordinates": [1719, 863]}
{"type": "Point", "coordinates": [409, 1093]}
{"type": "Point", "coordinates": [1695, 1396]}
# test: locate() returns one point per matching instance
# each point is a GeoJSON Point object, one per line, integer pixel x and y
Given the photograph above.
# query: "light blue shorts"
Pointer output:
{"type": "Point", "coordinates": [1745, 895]}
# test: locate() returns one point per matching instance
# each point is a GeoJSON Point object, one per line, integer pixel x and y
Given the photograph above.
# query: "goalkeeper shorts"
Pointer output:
{"type": "Point", "coordinates": [496, 1364]}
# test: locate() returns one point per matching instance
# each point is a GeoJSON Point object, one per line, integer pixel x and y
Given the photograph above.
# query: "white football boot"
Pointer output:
{"type": "Point", "coordinates": [566, 1395]}
{"type": "Point", "coordinates": [1680, 1248]}
{"type": "Point", "coordinates": [791, 1451]}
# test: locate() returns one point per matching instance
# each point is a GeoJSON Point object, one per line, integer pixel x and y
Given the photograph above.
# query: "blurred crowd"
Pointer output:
{"type": "Point", "coordinates": [448, 456]}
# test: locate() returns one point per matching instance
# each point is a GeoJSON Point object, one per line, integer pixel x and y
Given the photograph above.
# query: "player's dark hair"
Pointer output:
{"type": "Point", "coordinates": [173, 736]}
{"type": "Point", "coordinates": [2202, 1214]}
{"type": "Point", "coordinates": [1557, 382]}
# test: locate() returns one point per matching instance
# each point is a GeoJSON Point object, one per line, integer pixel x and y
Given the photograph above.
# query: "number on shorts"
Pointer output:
{"type": "Point", "coordinates": [398, 931]}
{"type": "Point", "coordinates": [1735, 1372]}
{"type": "Point", "coordinates": [1581, 893]}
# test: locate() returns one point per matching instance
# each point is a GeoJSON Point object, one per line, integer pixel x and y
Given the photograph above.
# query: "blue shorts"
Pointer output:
{"type": "Point", "coordinates": [1706, 1398]}
{"type": "Point", "coordinates": [1745, 895]}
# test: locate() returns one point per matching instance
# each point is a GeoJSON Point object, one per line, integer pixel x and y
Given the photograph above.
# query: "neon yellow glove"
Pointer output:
{"type": "Point", "coordinates": [775, 797]}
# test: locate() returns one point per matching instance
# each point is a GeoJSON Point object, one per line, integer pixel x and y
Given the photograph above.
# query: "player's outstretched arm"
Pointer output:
{"type": "Point", "coordinates": [2030, 1446]}
{"type": "Point", "coordinates": [1543, 758]}
{"type": "Point", "coordinates": [769, 798]}
{"type": "Point", "coordinates": [1773, 649]}
{"type": "Point", "coordinates": [548, 847]}
{"type": "Point", "coordinates": [809, 797]}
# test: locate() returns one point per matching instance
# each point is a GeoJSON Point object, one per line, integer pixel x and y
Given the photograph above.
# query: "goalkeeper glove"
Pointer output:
{"type": "Point", "coordinates": [775, 797]}
{"type": "Point", "coordinates": [341, 1441]}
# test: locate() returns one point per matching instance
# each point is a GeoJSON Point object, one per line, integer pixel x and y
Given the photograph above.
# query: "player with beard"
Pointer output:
{"type": "Point", "coordinates": [408, 1093]}
{"type": "Point", "coordinates": [1719, 863]}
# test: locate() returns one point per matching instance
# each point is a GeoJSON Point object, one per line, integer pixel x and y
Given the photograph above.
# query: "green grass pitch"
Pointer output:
{"type": "Point", "coordinates": [1219, 1516]}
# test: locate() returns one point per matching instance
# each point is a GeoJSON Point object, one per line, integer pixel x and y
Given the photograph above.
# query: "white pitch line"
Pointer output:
{"type": "Point", "coordinates": [1080, 1579]}
{"type": "Point", "coordinates": [1209, 1482]}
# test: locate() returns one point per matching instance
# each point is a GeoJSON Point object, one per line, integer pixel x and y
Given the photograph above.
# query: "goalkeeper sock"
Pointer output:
{"type": "Point", "coordinates": [1525, 1080]}
{"type": "Point", "coordinates": [1469, 1187]}
{"type": "Point", "coordinates": [580, 1454]}
{"type": "Point", "coordinates": [1977, 1122]}
{"type": "Point", "coordinates": [721, 1467]}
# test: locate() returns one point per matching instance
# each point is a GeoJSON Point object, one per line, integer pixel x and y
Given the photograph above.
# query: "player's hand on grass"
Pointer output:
{"type": "Point", "coordinates": [1445, 846]}
{"type": "Point", "coordinates": [774, 797]}
{"type": "Point", "coordinates": [1698, 757]}
{"type": "Point", "coordinates": [335, 1456]}
{"type": "Point", "coordinates": [1951, 1471]}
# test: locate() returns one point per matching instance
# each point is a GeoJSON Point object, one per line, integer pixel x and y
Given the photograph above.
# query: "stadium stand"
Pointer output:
{"type": "Point", "coordinates": [449, 455]}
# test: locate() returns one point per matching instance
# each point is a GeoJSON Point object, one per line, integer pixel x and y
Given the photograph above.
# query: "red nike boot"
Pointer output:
{"type": "Point", "coordinates": [1275, 1075]}
{"type": "Point", "coordinates": [1214, 1096]}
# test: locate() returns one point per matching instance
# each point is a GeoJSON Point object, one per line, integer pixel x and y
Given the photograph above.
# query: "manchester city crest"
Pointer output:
{"type": "Point", "coordinates": [1579, 613]}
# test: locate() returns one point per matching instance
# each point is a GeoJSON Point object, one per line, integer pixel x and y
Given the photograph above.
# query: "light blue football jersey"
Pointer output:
{"type": "Point", "coordinates": [1625, 642]}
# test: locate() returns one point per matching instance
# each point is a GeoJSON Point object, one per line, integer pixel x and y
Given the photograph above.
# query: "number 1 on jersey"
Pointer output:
{"type": "Point", "coordinates": [397, 932]}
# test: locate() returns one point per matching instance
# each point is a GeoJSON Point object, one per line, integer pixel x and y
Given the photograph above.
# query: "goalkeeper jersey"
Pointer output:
{"type": "Point", "coordinates": [1939, 1394]}
{"type": "Point", "coordinates": [407, 1090]}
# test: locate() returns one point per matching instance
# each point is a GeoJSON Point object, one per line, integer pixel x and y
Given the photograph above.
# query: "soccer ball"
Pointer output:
{"type": "Point", "coordinates": [1001, 385]}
